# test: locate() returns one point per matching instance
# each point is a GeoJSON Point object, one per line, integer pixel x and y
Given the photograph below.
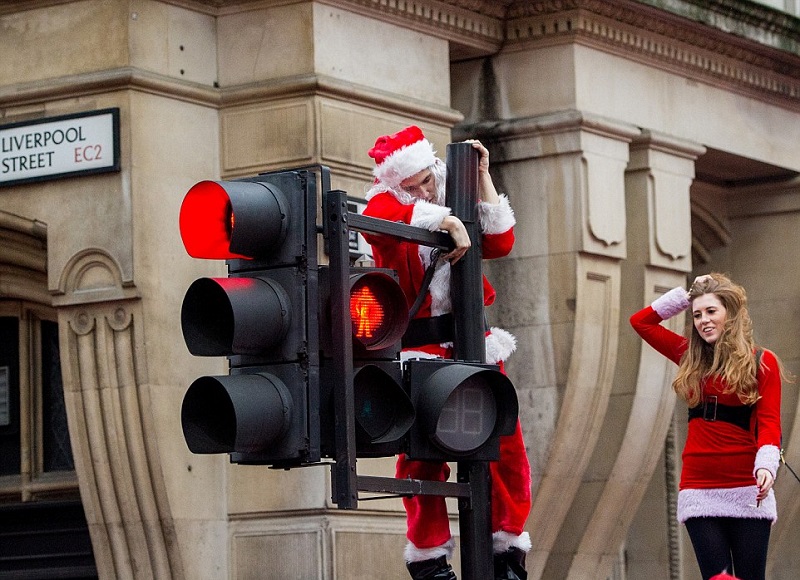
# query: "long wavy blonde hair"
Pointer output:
{"type": "Point", "coordinates": [730, 357]}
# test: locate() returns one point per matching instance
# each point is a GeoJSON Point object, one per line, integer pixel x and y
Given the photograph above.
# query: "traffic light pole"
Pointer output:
{"type": "Point", "coordinates": [336, 230]}
{"type": "Point", "coordinates": [466, 295]}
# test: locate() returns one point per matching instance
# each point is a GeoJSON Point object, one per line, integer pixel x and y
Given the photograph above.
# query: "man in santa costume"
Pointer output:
{"type": "Point", "coordinates": [409, 187]}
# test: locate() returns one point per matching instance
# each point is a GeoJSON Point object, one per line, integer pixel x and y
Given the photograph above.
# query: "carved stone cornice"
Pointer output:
{"type": "Point", "coordinates": [745, 47]}
{"type": "Point", "coordinates": [739, 45]}
{"type": "Point", "coordinates": [734, 37]}
{"type": "Point", "coordinates": [493, 8]}
{"type": "Point", "coordinates": [471, 28]}
{"type": "Point", "coordinates": [749, 19]}
{"type": "Point", "coordinates": [655, 37]}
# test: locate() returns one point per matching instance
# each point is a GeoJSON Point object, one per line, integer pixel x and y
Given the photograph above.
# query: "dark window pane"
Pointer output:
{"type": "Point", "coordinates": [9, 396]}
{"type": "Point", "coordinates": [55, 435]}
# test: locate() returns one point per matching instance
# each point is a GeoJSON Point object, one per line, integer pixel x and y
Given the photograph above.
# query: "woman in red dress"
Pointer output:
{"type": "Point", "coordinates": [732, 450]}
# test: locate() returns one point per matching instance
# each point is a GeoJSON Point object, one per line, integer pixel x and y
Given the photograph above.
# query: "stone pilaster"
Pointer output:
{"type": "Point", "coordinates": [111, 422]}
{"type": "Point", "coordinates": [658, 179]}
{"type": "Point", "coordinates": [565, 174]}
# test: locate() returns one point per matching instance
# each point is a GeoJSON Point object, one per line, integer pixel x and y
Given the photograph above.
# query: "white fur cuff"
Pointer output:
{"type": "Point", "coordinates": [673, 302]}
{"type": "Point", "coordinates": [503, 542]}
{"type": "Point", "coordinates": [414, 554]}
{"type": "Point", "coordinates": [499, 345]}
{"type": "Point", "coordinates": [768, 457]}
{"type": "Point", "coordinates": [414, 354]}
{"type": "Point", "coordinates": [496, 218]}
{"type": "Point", "coordinates": [428, 215]}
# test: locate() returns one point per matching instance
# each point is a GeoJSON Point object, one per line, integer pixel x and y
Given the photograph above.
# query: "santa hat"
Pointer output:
{"type": "Point", "coordinates": [399, 156]}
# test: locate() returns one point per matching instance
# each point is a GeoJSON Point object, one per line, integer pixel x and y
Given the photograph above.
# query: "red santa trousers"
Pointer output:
{"type": "Point", "coordinates": [428, 521]}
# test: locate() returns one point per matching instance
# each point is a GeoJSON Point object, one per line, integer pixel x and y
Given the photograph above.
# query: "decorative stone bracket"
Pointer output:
{"type": "Point", "coordinates": [109, 413]}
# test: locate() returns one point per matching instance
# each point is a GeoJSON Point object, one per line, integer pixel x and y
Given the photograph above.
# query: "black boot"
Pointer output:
{"type": "Point", "coordinates": [435, 569]}
{"type": "Point", "coordinates": [510, 565]}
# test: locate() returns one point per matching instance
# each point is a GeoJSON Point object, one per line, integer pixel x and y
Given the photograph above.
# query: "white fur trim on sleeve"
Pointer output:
{"type": "Point", "coordinates": [414, 554]}
{"type": "Point", "coordinates": [768, 457]}
{"type": "Point", "coordinates": [428, 215]}
{"type": "Point", "coordinates": [439, 289]}
{"type": "Point", "coordinates": [673, 302]}
{"type": "Point", "coordinates": [499, 345]}
{"type": "Point", "coordinates": [496, 218]}
{"type": "Point", "coordinates": [503, 542]}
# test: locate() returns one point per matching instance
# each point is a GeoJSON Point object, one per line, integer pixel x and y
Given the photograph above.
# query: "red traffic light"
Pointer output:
{"type": "Point", "coordinates": [378, 310]}
{"type": "Point", "coordinates": [263, 316]}
{"type": "Point", "coordinates": [233, 219]}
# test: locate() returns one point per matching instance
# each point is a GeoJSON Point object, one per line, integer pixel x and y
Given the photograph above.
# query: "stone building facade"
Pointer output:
{"type": "Point", "coordinates": [640, 143]}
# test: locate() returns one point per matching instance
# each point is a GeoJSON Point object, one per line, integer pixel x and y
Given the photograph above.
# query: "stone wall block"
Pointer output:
{"type": "Point", "coordinates": [267, 136]}
{"type": "Point", "coordinates": [649, 418]}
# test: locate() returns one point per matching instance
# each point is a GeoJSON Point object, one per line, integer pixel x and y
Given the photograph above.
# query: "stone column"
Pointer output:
{"type": "Point", "coordinates": [565, 175]}
{"type": "Point", "coordinates": [657, 182]}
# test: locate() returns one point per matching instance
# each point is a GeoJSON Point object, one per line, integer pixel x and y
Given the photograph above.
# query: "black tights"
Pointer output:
{"type": "Point", "coordinates": [734, 545]}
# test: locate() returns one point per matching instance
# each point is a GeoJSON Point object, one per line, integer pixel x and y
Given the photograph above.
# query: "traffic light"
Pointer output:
{"type": "Point", "coordinates": [383, 412]}
{"type": "Point", "coordinates": [461, 410]}
{"type": "Point", "coordinates": [263, 317]}
{"type": "Point", "coordinates": [437, 410]}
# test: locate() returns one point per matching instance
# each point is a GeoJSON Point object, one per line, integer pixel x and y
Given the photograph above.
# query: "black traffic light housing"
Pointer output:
{"type": "Point", "coordinates": [252, 412]}
{"type": "Point", "coordinates": [263, 317]}
{"type": "Point", "coordinates": [383, 412]}
{"type": "Point", "coordinates": [462, 410]}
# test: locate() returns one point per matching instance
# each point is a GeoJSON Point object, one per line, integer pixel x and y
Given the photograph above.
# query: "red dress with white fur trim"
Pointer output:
{"type": "Point", "coordinates": [719, 458]}
{"type": "Point", "coordinates": [428, 520]}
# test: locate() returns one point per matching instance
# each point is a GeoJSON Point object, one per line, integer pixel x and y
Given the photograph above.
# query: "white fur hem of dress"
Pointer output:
{"type": "Point", "coordinates": [735, 502]}
{"type": "Point", "coordinates": [414, 554]}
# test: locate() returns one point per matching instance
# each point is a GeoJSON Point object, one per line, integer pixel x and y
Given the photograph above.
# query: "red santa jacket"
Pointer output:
{"type": "Point", "coordinates": [410, 260]}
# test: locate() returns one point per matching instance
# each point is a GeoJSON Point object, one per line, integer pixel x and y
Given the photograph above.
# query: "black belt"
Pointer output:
{"type": "Point", "coordinates": [433, 330]}
{"type": "Point", "coordinates": [710, 410]}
